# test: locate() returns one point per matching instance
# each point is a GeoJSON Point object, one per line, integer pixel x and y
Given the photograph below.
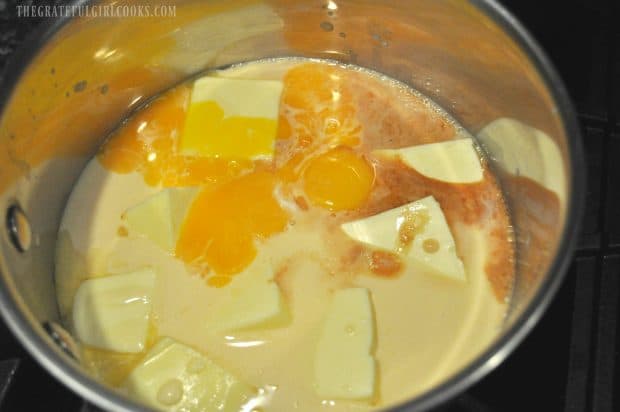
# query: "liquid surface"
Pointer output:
{"type": "Point", "coordinates": [322, 174]}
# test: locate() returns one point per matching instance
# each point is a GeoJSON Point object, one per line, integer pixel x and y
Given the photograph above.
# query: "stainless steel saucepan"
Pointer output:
{"type": "Point", "coordinates": [78, 77]}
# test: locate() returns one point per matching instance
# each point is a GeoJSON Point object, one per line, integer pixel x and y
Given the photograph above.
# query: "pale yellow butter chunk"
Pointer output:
{"type": "Point", "coordinates": [344, 366]}
{"type": "Point", "coordinates": [523, 150]}
{"type": "Point", "coordinates": [431, 246]}
{"type": "Point", "coordinates": [113, 312]}
{"type": "Point", "coordinates": [252, 300]}
{"type": "Point", "coordinates": [232, 118]}
{"type": "Point", "coordinates": [181, 199]}
{"type": "Point", "coordinates": [159, 218]}
{"type": "Point", "coordinates": [453, 161]}
{"type": "Point", "coordinates": [176, 377]}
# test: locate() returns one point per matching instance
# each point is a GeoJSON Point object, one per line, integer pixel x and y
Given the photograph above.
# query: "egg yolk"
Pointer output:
{"type": "Point", "coordinates": [223, 225]}
{"type": "Point", "coordinates": [319, 106]}
{"type": "Point", "coordinates": [339, 179]}
{"type": "Point", "coordinates": [317, 111]}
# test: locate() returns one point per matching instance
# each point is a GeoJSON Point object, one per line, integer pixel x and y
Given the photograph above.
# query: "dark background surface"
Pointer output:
{"type": "Point", "coordinates": [571, 361]}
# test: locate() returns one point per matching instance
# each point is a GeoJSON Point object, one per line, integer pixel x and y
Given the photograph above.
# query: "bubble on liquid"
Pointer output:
{"type": "Point", "coordinates": [170, 393]}
{"type": "Point", "coordinates": [350, 329]}
{"type": "Point", "coordinates": [430, 245]}
{"type": "Point", "coordinates": [331, 125]}
{"type": "Point", "coordinates": [327, 26]}
{"type": "Point", "coordinates": [80, 86]}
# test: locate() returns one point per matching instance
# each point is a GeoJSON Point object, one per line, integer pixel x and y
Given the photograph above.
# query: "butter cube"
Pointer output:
{"type": "Point", "coordinates": [176, 377]}
{"type": "Point", "coordinates": [180, 199]}
{"type": "Point", "coordinates": [252, 300]}
{"type": "Point", "coordinates": [523, 150]}
{"type": "Point", "coordinates": [453, 161]}
{"type": "Point", "coordinates": [431, 246]}
{"type": "Point", "coordinates": [113, 312]}
{"type": "Point", "coordinates": [159, 218]}
{"type": "Point", "coordinates": [232, 118]}
{"type": "Point", "coordinates": [344, 367]}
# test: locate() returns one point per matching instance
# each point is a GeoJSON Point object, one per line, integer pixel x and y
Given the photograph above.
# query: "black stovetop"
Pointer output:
{"type": "Point", "coordinates": [571, 360]}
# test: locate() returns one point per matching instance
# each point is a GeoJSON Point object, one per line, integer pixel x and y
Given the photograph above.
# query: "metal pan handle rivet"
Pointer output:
{"type": "Point", "coordinates": [62, 338]}
{"type": "Point", "coordinates": [18, 228]}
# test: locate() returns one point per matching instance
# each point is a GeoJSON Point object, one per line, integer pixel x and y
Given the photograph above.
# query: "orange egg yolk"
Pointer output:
{"type": "Point", "coordinates": [223, 225]}
{"type": "Point", "coordinates": [318, 106]}
{"type": "Point", "coordinates": [317, 111]}
{"type": "Point", "coordinates": [339, 179]}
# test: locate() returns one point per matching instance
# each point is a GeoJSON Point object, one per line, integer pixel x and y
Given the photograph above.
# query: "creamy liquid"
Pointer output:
{"type": "Point", "coordinates": [427, 327]}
